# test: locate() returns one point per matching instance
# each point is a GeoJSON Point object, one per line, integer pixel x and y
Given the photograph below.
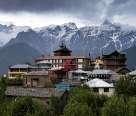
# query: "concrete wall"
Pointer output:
{"type": "Point", "coordinates": [110, 93]}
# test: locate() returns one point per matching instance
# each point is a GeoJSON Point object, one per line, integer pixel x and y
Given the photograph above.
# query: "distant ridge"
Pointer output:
{"type": "Point", "coordinates": [131, 55]}
{"type": "Point", "coordinates": [86, 40]}
{"type": "Point", "coordinates": [16, 53]}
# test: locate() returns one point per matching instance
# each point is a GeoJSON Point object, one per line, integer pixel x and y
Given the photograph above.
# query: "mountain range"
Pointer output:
{"type": "Point", "coordinates": [89, 40]}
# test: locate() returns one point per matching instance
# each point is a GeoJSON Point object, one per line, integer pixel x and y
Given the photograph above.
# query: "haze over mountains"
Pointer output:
{"type": "Point", "coordinates": [22, 44]}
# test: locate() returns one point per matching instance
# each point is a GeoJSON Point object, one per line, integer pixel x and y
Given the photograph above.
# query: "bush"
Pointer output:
{"type": "Point", "coordinates": [132, 106]}
{"type": "Point", "coordinates": [25, 107]}
{"type": "Point", "coordinates": [77, 109]}
{"type": "Point", "coordinates": [126, 86]}
{"type": "Point", "coordinates": [116, 106]}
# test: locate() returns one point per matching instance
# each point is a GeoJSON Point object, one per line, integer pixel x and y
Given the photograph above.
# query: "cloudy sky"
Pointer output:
{"type": "Point", "coordinates": [37, 13]}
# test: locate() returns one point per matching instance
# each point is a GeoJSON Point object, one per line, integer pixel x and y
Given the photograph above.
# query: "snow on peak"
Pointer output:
{"type": "Point", "coordinates": [70, 25]}
{"type": "Point", "coordinates": [8, 32]}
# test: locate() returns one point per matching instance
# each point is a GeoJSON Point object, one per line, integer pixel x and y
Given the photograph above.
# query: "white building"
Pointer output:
{"type": "Point", "coordinates": [101, 87]}
{"type": "Point", "coordinates": [78, 74]}
{"type": "Point", "coordinates": [133, 73]}
{"type": "Point", "coordinates": [104, 74]}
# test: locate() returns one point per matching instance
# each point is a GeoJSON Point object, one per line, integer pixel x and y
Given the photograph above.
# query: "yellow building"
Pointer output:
{"type": "Point", "coordinates": [18, 70]}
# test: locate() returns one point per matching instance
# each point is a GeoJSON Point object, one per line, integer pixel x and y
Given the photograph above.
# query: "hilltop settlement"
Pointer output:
{"type": "Point", "coordinates": [57, 73]}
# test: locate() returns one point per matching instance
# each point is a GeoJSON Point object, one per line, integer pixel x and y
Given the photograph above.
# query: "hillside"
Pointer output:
{"type": "Point", "coordinates": [16, 53]}
{"type": "Point", "coordinates": [131, 55]}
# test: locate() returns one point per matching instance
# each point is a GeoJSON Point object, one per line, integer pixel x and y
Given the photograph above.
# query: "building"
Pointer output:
{"type": "Point", "coordinates": [132, 73]}
{"type": "Point", "coordinates": [104, 74]}
{"type": "Point", "coordinates": [101, 87]}
{"type": "Point", "coordinates": [114, 61]}
{"type": "Point", "coordinates": [41, 66]}
{"type": "Point", "coordinates": [62, 54]}
{"type": "Point", "coordinates": [78, 75]}
{"type": "Point", "coordinates": [62, 51]}
{"type": "Point", "coordinates": [41, 93]}
{"type": "Point", "coordinates": [56, 74]}
{"type": "Point", "coordinates": [37, 79]}
{"type": "Point", "coordinates": [18, 70]}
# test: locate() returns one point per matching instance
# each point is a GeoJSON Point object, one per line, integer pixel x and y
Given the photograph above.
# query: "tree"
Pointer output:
{"type": "Point", "coordinates": [77, 109]}
{"type": "Point", "coordinates": [132, 106]}
{"type": "Point", "coordinates": [116, 106]}
{"type": "Point", "coordinates": [126, 86]}
{"type": "Point", "coordinates": [57, 104]}
{"type": "Point", "coordinates": [3, 85]}
{"type": "Point", "coordinates": [84, 95]}
{"type": "Point", "coordinates": [25, 107]}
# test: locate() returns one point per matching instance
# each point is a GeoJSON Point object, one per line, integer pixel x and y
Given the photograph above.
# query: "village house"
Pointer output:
{"type": "Point", "coordinates": [115, 61]}
{"type": "Point", "coordinates": [37, 79]}
{"type": "Point", "coordinates": [132, 73]}
{"type": "Point", "coordinates": [18, 70]}
{"type": "Point", "coordinates": [78, 74]}
{"type": "Point", "coordinates": [104, 74]}
{"type": "Point", "coordinates": [101, 87]}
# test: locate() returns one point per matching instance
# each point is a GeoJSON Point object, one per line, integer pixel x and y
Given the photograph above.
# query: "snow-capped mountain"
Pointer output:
{"type": "Point", "coordinates": [10, 31]}
{"type": "Point", "coordinates": [93, 40]}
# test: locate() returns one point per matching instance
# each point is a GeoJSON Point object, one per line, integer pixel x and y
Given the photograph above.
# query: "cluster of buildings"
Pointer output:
{"type": "Point", "coordinates": [62, 71]}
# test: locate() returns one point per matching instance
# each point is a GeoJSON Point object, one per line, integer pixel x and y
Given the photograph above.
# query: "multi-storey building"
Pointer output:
{"type": "Point", "coordinates": [18, 70]}
{"type": "Point", "coordinates": [62, 54]}
{"type": "Point", "coordinates": [114, 60]}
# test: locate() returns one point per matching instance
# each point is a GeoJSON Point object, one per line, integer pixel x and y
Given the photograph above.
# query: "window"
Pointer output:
{"type": "Point", "coordinates": [80, 60]}
{"type": "Point", "coordinates": [35, 82]}
{"type": "Point", "coordinates": [106, 89]}
{"type": "Point", "coordinates": [96, 89]}
{"type": "Point", "coordinates": [60, 61]}
{"type": "Point", "coordinates": [80, 66]}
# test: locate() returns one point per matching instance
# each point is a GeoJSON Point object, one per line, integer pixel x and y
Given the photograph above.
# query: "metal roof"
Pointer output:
{"type": "Point", "coordinates": [102, 71]}
{"type": "Point", "coordinates": [98, 83]}
{"type": "Point", "coordinates": [133, 72]}
{"type": "Point", "coordinates": [21, 66]}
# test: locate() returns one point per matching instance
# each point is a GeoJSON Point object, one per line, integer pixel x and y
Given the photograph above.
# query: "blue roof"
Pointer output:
{"type": "Point", "coordinates": [21, 66]}
{"type": "Point", "coordinates": [64, 86]}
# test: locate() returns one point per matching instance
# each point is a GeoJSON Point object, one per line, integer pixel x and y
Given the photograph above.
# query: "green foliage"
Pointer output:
{"type": "Point", "coordinates": [85, 96]}
{"type": "Point", "coordinates": [25, 107]}
{"type": "Point", "coordinates": [57, 105]}
{"type": "Point", "coordinates": [79, 101]}
{"type": "Point", "coordinates": [126, 86]}
{"type": "Point", "coordinates": [116, 106]}
{"type": "Point", "coordinates": [3, 85]}
{"type": "Point", "coordinates": [77, 109]}
{"type": "Point", "coordinates": [132, 106]}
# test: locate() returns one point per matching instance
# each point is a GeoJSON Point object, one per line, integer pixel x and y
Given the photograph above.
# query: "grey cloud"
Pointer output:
{"type": "Point", "coordinates": [78, 8]}
{"type": "Point", "coordinates": [42, 5]}
{"type": "Point", "coordinates": [85, 9]}
{"type": "Point", "coordinates": [123, 7]}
